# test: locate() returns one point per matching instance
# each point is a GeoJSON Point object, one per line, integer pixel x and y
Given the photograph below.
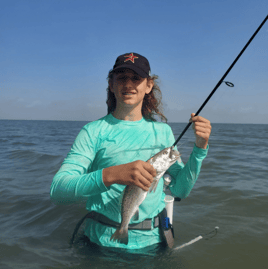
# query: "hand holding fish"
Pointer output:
{"type": "Point", "coordinates": [202, 130]}
{"type": "Point", "coordinates": [134, 196]}
{"type": "Point", "coordinates": [137, 173]}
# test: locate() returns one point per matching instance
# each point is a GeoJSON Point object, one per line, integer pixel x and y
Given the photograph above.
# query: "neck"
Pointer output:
{"type": "Point", "coordinates": [128, 113]}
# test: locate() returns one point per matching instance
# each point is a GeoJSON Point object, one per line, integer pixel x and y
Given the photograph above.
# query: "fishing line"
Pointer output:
{"type": "Point", "coordinates": [224, 99]}
{"type": "Point", "coordinates": [178, 146]}
{"type": "Point", "coordinates": [205, 236]}
{"type": "Point", "coordinates": [221, 80]}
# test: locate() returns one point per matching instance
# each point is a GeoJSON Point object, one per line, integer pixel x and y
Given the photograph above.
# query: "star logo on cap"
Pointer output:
{"type": "Point", "coordinates": [131, 57]}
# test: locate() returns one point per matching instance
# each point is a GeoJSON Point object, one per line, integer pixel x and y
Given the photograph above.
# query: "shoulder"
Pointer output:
{"type": "Point", "coordinates": [93, 126]}
{"type": "Point", "coordinates": [161, 128]}
{"type": "Point", "coordinates": [92, 129]}
{"type": "Point", "coordinates": [95, 123]}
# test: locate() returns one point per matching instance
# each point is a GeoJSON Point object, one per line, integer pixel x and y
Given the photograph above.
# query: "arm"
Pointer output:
{"type": "Point", "coordinates": [185, 176]}
{"type": "Point", "coordinates": [72, 182]}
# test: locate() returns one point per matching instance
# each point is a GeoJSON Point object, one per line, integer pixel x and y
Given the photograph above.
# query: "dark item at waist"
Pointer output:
{"type": "Point", "coordinates": [144, 225]}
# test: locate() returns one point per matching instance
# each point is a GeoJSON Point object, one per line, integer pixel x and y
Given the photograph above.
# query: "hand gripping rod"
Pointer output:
{"type": "Point", "coordinates": [221, 80]}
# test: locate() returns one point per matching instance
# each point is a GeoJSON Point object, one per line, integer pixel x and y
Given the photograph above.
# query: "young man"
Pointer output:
{"type": "Point", "coordinates": [110, 153]}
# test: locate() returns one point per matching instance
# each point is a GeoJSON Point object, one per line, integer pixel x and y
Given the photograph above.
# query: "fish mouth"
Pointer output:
{"type": "Point", "coordinates": [174, 154]}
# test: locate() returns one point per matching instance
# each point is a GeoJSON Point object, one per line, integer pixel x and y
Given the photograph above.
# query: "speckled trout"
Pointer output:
{"type": "Point", "coordinates": [133, 196]}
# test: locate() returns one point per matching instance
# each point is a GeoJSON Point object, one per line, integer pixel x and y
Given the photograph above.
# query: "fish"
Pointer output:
{"type": "Point", "coordinates": [133, 195]}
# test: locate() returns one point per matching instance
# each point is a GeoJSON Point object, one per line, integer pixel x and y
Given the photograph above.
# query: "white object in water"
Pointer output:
{"type": "Point", "coordinates": [190, 242]}
{"type": "Point", "coordinates": [198, 238]}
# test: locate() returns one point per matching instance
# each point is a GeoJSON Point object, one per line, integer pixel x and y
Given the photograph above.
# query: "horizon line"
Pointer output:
{"type": "Point", "coordinates": [163, 122]}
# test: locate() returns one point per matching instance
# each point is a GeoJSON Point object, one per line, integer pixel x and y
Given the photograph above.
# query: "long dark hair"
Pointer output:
{"type": "Point", "coordinates": [151, 106]}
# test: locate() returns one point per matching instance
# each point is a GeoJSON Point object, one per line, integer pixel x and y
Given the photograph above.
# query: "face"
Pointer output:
{"type": "Point", "coordinates": [129, 88]}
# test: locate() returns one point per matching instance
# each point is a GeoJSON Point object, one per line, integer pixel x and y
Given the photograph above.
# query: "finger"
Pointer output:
{"type": "Point", "coordinates": [140, 181]}
{"type": "Point", "coordinates": [202, 129]}
{"type": "Point", "coordinates": [199, 131]}
{"type": "Point", "coordinates": [202, 124]}
{"type": "Point", "coordinates": [200, 119]}
{"type": "Point", "coordinates": [203, 135]}
{"type": "Point", "coordinates": [150, 169]}
{"type": "Point", "coordinates": [143, 183]}
{"type": "Point", "coordinates": [142, 186]}
{"type": "Point", "coordinates": [192, 115]}
{"type": "Point", "coordinates": [146, 177]}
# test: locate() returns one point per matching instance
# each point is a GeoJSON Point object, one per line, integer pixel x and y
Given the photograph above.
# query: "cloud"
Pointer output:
{"type": "Point", "coordinates": [241, 114]}
{"type": "Point", "coordinates": [75, 109]}
{"type": "Point", "coordinates": [245, 109]}
{"type": "Point", "coordinates": [34, 103]}
{"type": "Point", "coordinates": [84, 109]}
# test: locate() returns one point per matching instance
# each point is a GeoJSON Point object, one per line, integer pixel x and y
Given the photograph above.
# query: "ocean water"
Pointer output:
{"type": "Point", "coordinates": [231, 193]}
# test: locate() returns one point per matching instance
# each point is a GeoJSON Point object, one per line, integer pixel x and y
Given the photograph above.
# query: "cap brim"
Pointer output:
{"type": "Point", "coordinates": [134, 68]}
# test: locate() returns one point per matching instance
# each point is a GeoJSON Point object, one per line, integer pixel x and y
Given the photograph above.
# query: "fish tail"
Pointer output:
{"type": "Point", "coordinates": [121, 235]}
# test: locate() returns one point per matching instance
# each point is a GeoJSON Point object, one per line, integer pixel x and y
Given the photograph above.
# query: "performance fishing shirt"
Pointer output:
{"type": "Point", "coordinates": [109, 142]}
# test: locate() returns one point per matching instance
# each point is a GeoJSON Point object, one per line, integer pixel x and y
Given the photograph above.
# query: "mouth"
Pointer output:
{"type": "Point", "coordinates": [128, 93]}
{"type": "Point", "coordinates": [174, 154]}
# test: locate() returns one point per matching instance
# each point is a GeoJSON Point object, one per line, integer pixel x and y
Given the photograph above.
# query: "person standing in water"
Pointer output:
{"type": "Point", "coordinates": [111, 152]}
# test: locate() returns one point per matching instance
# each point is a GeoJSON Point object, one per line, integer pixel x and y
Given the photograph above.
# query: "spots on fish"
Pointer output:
{"type": "Point", "coordinates": [134, 196]}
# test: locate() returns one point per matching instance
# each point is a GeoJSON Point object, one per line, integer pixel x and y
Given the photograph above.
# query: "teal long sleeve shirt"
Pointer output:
{"type": "Point", "coordinates": [109, 142]}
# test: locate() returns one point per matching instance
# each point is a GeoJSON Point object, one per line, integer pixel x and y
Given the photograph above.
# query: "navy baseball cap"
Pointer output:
{"type": "Point", "coordinates": [135, 62]}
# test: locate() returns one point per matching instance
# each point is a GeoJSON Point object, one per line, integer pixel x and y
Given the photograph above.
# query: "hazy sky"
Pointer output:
{"type": "Point", "coordinates": [55, 56]}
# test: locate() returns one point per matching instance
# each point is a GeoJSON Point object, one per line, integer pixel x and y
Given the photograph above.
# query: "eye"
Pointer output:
{"type": "Point", "coordinates": [136, 78]}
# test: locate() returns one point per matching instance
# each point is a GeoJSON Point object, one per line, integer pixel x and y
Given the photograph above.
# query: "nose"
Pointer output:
{"type": "Point", "coordinates": [128, 83]}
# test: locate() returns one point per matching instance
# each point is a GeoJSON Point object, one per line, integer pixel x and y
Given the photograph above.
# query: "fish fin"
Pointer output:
{"type": "Point", "coordinates": [153, 186]}
{"type": "Point", "coordinates": [136, 215]}
{"type": "Point", "coordinates": [120, 235]}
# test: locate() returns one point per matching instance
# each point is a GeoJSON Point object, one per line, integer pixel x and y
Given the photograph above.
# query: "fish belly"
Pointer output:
{"type": "Point", "coordinates": [133, 197]}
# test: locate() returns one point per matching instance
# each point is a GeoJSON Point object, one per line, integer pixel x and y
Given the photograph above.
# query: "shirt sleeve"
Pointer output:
{"type": "Point", "coordinates": [74, 181]}
{"type": "Point", "coordinates": [185, 176]}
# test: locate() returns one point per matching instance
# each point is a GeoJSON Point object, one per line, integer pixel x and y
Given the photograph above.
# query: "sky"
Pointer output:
{"type": "Point", "coordinates": [55, 56]}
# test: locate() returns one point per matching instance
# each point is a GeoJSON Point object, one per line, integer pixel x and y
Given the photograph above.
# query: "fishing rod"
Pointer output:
{"type": "Point", "coordinates": [221, 80]}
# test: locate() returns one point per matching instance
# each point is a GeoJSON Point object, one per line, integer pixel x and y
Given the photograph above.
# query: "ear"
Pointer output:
{"type": "Point", "coordinates": [150, 84]}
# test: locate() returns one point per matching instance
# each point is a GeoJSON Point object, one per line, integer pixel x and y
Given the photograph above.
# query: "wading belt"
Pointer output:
{"type": "Point", "coordinates": [144, 225]}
